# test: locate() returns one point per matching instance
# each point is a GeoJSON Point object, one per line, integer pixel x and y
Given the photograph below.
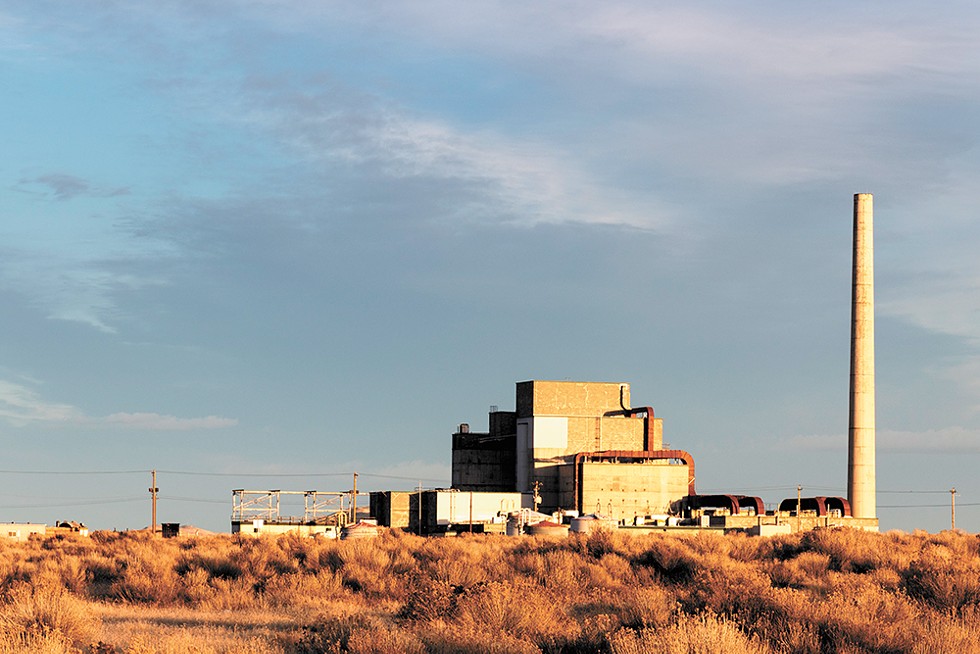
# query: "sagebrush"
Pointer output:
{"type": "Point", "coordinates": [831, 590]}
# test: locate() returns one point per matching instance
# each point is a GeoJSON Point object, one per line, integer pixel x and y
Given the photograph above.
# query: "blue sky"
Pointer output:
{"type": "Point", "coordinates": [273, 243]}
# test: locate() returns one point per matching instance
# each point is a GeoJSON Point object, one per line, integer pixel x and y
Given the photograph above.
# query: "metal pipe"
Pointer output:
{"type": "Point", "coordinates": [648, 424]}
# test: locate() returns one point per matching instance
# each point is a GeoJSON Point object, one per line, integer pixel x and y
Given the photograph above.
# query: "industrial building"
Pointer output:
{"type": "Point", "coordinates": [22, 531]}
{"type": "Point", "coordinates": [572, 448]}
{"type": "Point", "coordinates": [582, 447]}
{"type": "Point", "coordinates": [577, 446]}
{"type": "Point", "coordinates": [260, 512]}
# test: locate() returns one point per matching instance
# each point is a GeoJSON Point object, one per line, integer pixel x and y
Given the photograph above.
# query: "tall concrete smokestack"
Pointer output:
{"type": "Point", "coordinates": [861, 428]}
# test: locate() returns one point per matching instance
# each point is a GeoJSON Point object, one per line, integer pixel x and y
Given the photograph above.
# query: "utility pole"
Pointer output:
{"type": "Point", "coordinates": [353, 502]}
{"type": "Point", "coordinates": [952, 508]}
{"type": "Point", "coordinates": [420, 507]}
{"type": "Point", "coordinates": [799, 502]}
{"type": "Point", "coordinates": [153, 501]}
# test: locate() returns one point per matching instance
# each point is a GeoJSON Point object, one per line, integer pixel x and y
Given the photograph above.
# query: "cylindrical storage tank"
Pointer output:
{"type": "Point", "coordinates": [587, 524]}
{"type": "Point", "coordinates": [358, 530]}
{"type": "Point", "coordinates": [547, 528]}
{"type": "Point", "coordinates": [583, 525]}
{"type": "Point", "coordinates": [513, 525]}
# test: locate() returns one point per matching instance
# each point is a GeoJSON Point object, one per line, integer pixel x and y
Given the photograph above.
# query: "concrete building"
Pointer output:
{"type": "Point", "coordinates": [576, 446]}
{"type": "Point", "coordinates": [259, 527]}
{"type": "Point", "coordinates": [21, 531]}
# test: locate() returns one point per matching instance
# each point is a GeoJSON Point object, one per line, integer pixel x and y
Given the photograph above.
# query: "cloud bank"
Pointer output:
{"type": "Point", "coordinates": [21, 406]}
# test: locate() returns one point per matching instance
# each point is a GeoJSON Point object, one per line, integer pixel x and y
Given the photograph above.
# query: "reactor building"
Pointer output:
{"type": "Point", "coordinates": [582, 447]}
{"type": "Point", "coordinates": [578, 446]}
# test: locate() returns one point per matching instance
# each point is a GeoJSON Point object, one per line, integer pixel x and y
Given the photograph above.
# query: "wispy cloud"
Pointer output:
{"type": "Point", "coordinates": [21, 405]}
{"type": "Point", "coordinates": [497, 178]}
{"type": "Point", "coordinates": [63, 186]}
{"type": "Point", "coordinates": [75, 287]}
{"type": "Point", "coordinates": [160, 422]}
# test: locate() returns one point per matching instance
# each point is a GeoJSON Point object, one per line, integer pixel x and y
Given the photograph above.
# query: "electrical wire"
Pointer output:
{"type": "Point", "coordinates": [199, 473]}
{"type": "Point", "coordinates": [299, 474]}
{"type": "Point", "coordinates": [172, 498]}
{"type": "Point", "coordinates": [74, 472]}
{"type": "Point", "coordinates": [121, 500]}
{"type": "Point", "coordinates": [927, 506]}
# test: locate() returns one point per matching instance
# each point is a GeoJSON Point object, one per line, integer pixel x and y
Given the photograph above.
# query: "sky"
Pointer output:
{"type": "Point", "coordinates": [268, 244]}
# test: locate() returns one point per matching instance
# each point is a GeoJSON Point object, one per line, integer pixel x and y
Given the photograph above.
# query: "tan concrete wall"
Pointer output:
{"type": "Point", "coordinates": [804, 523]}
{"type": "Point", "coordinates": [598, 434]}
{"type": "Point", "coordinates": [564, 398]}
{"type": "Point", "coordinates": [549, 475]}
{"type": "Point", "coordinates": [392, 508]}
{"type": "Point", "coordinates": [658, 435]}
{"type": "Point", "coordinates": [626, 490]}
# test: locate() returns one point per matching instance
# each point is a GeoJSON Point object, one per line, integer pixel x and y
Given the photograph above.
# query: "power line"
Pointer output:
{"type": "Point", "coordinates": [200, 473]}
{"type": "Point", "coordinates": [173, 498]}
{"type": "Point", "coordinates": [73, 472]}
{"type": "Point", "coordinates": [926, 506]}
{"type": "Point", "coordinates": [919, 492]}
{"type": "Point", "coordinates": [57, 505]}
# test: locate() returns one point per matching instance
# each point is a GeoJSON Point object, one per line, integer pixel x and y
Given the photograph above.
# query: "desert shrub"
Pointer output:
{"type": "Point", "coordinates": [231, 595]}
{"type": "Point", "coordinates": [879, 621]}
{"type": "Point", "coordinates": [807, 569]}
{"type": "Point", "coordinates": [671, 558]}
{"type": "Point", "coordinates": [183, 642]}
{"type": "Point", "coordinates": [220, 566]}
{"type": "Point", "coordinates": [366, 568]}
{"type": "Point", "coordinates": [558, 570]}
{"type": "Point", "coordinates": [101, 571]}
{"type": "Point", "coordinates": [442, 638]}
{"type": "Point", "coordinates": [457, 570]}
{"type": "Point", "coordinates": [946, 585]}
{"type": "Point", "coordinates": [358, 634]}
{"type": "Point", "coordinates": [598, 543]}
{"type": "Point", "coordinates": [701, 634]}
{"type": "Point", "coordinates": [643, 607]}
{"type": "Point", "coordinates": [431, 599]}
{"type": "Point", "coordinates": [946, 635]}
{"type": "Point", "coordinates": [518, 608]}
{"type": "Point", "coordinates": [35, 643]}
{"type": "Point", "coordinates": [46, 613]}
{"type": "Point", "coordinates": [849, 550]}
{"type": "Point", "coordinates": [745, 548]}
{"type": "Point", "coordinates": [146, 579]}
{"type": "Point", "coordinates": [305, 590]}
{"type": "Point", "coordinates": [823, 591]}
{"type": "Point", "coordinates": [384, 641]}
{"type": "Point", "coordinates": [618, 568]}
{"type": "Point", "coordinates": [732, 590]}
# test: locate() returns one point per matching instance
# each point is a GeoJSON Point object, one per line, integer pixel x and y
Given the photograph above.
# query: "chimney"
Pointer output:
{"type": "Point", "coordinates": [861, 424]}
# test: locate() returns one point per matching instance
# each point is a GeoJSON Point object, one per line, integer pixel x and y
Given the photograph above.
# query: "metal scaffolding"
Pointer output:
{"type": "Point", "coordinates": [319, 507]}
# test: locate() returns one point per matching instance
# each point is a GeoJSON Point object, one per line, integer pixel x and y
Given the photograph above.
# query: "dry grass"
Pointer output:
{"type": "Point", "coordinates": [835, 591]}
